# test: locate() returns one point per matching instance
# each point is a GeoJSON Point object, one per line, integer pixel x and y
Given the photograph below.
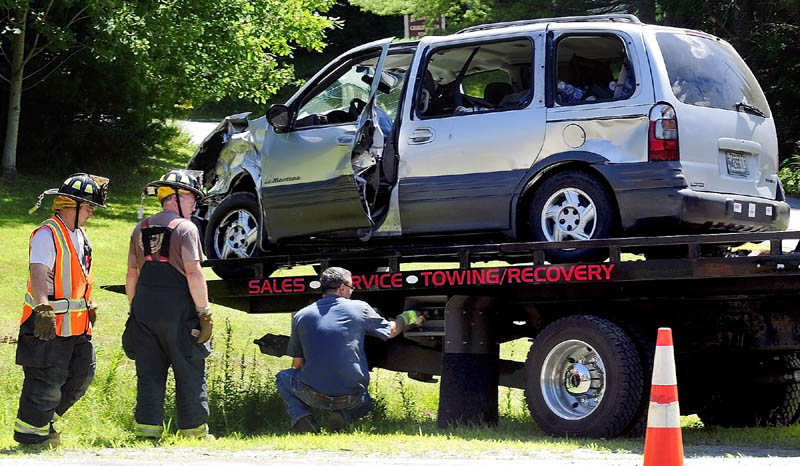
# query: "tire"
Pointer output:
{"type": "Point", "coordinates": [572, 205]}
{"type": "Point", "coordinates": [232, 233]}
{"type": "Point", "coordinates": [583, 377]}
{"type": "Point", "coordinates": [751, 404]}
{"type": "Point", "coordinates": [645, 342]}
{"type": "Point", "coordinates": [794, 362]}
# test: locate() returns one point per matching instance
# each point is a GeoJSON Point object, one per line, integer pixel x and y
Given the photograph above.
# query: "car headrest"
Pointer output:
{"type": "Point", "coordinates": [427, 92]}
{"type": "Point", "coordinates": [428, 82]}
{"type": "Point", "coordinates": [494, 92]}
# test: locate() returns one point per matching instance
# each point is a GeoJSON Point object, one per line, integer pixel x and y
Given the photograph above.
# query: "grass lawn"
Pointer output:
{"type": "Point", "coordinates": [246, 412]}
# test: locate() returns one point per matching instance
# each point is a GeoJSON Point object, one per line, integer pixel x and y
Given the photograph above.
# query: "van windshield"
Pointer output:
{"type": "Point", "coordinates": [709, 73]}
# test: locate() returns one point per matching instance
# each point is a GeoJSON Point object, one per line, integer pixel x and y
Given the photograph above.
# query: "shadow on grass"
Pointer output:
{"type": "Point", "coordinates": [19, 193]}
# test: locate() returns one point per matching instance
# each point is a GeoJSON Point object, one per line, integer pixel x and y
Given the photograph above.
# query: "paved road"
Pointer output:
{"type": "Point", "coordinates": [722, 456]}
{"type": "Point", "coordinates": [197, 130]}
{"type": "Point", "coordinates": [794, 222]}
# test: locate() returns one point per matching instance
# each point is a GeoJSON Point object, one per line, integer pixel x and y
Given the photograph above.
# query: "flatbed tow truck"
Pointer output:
{"type": "Point", "coordinates": [735, 318]}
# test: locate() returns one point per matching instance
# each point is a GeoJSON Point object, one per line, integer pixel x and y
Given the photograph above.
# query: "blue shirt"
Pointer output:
{"type": "Point", "coordinates": [329, 336]}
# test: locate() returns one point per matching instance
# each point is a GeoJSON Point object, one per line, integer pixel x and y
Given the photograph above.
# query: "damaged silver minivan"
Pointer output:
{"type": "Point", "coordinates": [546, 130]}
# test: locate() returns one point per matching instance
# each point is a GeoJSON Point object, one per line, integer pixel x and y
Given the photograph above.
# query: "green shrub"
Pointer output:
{"type": "Point", "coordinates": [789, 173]}
{"type": "Point", "coordinates": [242, 396]}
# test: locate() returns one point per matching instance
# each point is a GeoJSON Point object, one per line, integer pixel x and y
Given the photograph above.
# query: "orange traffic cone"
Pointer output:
{"type": "Point", "coordinates": [663, 444]}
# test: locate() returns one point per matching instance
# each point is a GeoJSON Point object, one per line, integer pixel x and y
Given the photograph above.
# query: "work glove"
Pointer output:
{"type": "Point", "coordinates": [411, 318]}
{"type": "Point", "coordinates": [44, 323]}
{"type": "Point", "coordinates": [206, 328]}
{"type": "Point", "coordinates": [92, 310]}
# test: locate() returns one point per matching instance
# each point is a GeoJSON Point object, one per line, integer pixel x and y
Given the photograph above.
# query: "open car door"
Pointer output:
{"type": "Point", "coordinates": [319, 175]}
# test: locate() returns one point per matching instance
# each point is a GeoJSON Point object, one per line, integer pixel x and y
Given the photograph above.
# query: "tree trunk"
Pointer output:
{"type": "Point", "coordinates": [14, 96]}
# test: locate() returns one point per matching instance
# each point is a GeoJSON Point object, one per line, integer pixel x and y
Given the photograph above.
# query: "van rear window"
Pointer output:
{"type": "Point", "coordinates": [709, 73]}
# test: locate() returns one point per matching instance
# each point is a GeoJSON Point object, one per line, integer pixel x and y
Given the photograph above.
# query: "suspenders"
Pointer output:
{"type": "Point", "coordinates": [149, 232]}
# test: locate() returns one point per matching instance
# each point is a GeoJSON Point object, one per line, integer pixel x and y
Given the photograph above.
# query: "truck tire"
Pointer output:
{"type": "Point", "coordinates": [645, 342]}
{"type": "Point", "coordinates": [795, 362]}
{"type": "Point", "coordinates": [232, 233]}
{"type": "Point", "coordinates": [572, 205]}
{"type": "Point", "coordinates": [583, 377]}
{"type": "Point", "coordinates": [754, 404]}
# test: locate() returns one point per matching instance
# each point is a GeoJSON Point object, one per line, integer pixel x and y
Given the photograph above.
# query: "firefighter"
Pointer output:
{"type": "Point", "coordinates": [55, 346]}
{"type": "Point", "coordinates": [170, 320]}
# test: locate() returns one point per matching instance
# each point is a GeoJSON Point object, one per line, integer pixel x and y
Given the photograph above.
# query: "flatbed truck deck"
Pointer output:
{"type": "Point", "coordinates": [734, 315]}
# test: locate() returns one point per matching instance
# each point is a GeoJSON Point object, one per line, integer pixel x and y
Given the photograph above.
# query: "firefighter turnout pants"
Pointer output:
{"type": "Point", "coordinates": [57, 374]}
{"type": "Point", "coordinates": [158, 336]}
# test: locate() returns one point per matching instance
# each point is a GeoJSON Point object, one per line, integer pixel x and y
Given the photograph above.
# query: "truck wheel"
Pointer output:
{"type": "Point", "coordinates": [645, 342]}
{"type": "Point", "coordinates": [583, 377]}
{"type": "Point", "coordinates": [752, 404]}
{"type": "Point", "coordinates": [572, 205]}
{"type": "Point", "coordinates": [795, 362]}
{"type": "Point", "coordinates": [232, 233]}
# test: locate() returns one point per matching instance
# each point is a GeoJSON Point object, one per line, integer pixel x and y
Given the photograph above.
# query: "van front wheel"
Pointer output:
{"type": "Point", "coordinates": [232, 233]}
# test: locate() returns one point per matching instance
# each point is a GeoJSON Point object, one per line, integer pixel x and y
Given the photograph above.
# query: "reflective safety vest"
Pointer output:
{"type": "Point", "coordinates": [72, 288]}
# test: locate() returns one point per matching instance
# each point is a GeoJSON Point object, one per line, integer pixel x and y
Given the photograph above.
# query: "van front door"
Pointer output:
{"type": "Point", "coordinates": [309, 173]}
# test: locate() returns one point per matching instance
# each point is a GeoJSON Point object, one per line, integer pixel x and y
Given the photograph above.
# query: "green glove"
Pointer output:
{"type": "Point", "coordinates": [44, 324]}
{"type": "Point", "coordinates": [411, 317]}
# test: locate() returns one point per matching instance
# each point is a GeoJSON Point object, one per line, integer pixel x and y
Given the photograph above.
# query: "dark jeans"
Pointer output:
{"type": "Point", "coordinates": [57, 374]}
{"type": "Point", "coordinates": [300, 399]}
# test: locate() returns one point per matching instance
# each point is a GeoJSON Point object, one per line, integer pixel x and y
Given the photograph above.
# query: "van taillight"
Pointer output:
{"type": "Point", "coordinates": [662, 137]}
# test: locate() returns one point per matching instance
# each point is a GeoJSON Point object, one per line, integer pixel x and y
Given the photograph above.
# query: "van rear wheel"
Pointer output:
{"type": "Point", "coordinates": [572, 205]}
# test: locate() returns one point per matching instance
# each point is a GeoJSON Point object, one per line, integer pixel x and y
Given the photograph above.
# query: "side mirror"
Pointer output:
{"type": "Point", "coordinates": [278, 117]}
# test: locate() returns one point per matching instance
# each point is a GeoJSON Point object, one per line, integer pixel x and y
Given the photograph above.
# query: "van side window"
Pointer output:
{"type": "Point", "coordinates": [592, 68]}
{"type": "Point", "coordinates": [477, 78]}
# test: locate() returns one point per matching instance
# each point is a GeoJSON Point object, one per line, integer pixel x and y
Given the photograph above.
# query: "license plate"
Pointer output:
{"type": "Point", "coordinates": [737, 164]}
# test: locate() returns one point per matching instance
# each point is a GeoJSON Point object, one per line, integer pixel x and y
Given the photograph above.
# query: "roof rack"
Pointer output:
{"type": "Point", "coordinates": [626, 18]}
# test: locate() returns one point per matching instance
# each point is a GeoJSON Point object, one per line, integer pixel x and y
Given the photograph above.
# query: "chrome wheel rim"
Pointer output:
{"type": "Point", "coordinates": [573, 380]}
{"type": "Point", "coordinates": [236, 235]}
{"type": "Point", "coordinates": [569, 214]}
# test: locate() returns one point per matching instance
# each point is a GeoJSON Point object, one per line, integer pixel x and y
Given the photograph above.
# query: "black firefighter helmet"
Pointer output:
{"type": "Point", "coordinates": [82, 188]}
{"type": "Point", "coordinates": [190, 180]}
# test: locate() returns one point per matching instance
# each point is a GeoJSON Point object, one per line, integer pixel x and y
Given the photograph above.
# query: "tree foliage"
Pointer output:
{"type": "Point", "coordinates": [36, 39]}
{"type": "Point", "coordinates": [462, 13]}
{"type": "Point", "coordinates": [765, 32]}
{"type": "Point", "coordinates": [175, 53]}
{"type": "Point", "coordinates": [190, 51]}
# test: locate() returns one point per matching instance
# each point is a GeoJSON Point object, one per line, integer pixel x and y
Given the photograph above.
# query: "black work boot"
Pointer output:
{"type": "Point", "coordinates": [336, 421]}
{"type": "Point", "coordinates": [53, 437]}
{"type": "Point", "coordinates": [306, 425]}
